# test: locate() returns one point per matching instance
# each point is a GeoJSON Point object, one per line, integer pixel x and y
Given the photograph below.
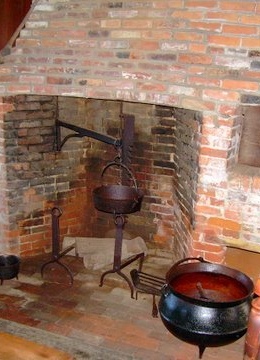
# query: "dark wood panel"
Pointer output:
{"type": "Point", "coordinates": [12, 13]}
{"type": "Point", "coordinates": [249, 151]}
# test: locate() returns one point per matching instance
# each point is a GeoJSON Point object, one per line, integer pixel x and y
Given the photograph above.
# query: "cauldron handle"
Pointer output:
{"type": "Point", "coordinates": [165, 291]}
{"type": "Point", "coordinates": [200, 258]}
{"type": "Point", "coordinates": [173, 268]}
{"type": "Point", "coordinates": [120, 164]}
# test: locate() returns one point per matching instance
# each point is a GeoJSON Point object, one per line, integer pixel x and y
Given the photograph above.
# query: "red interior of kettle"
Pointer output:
{"type": "Point", "coordinates": [209, 286]}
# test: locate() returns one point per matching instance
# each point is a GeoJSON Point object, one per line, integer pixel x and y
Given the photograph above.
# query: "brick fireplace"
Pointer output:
{"type": "Point", "coordinates": [185, 69]}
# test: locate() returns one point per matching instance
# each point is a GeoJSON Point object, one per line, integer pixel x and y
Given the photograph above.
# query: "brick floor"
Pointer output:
{"type": "Point", "coordinates": [103, 316]}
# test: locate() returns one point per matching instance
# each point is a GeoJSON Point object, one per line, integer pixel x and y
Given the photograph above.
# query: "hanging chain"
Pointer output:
{"type": "Point", "coordinates": [118, 149]}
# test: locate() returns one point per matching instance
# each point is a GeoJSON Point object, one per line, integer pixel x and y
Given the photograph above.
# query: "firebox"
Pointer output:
{"type": "Point", "coordinates": [164, 158]}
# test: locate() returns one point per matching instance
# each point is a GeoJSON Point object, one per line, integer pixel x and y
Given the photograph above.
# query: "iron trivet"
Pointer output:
{"type": "Point", "coordinates": [148, 284]}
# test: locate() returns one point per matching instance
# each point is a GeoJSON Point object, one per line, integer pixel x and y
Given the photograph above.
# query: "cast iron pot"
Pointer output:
{"type": "Point", "coordinates": [205, 304]}
{"type": "Point", "coordinates": [118, 198]}
{"type": "Point", "coordinates": [9, 267]}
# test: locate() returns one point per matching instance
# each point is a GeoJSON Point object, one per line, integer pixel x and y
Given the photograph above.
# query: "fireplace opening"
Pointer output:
{"type": "Point", "coordinates": [164, 160]}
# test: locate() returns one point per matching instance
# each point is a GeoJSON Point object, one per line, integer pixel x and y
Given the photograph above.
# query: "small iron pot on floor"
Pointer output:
{"type": "Point", "coordinates": [9, 267]}
{"type": "Point", "coordinates": [205, 304]}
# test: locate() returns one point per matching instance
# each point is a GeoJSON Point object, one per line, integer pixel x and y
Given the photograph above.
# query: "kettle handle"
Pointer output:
{"type": "Point", "coordinates": [120, 164]}
{"type": "Point", "coordinates": [200, 258]}
{"type": "Point", "coordinates": [173, 268]}
{"type": "Point", "coordinates": [165, 291]}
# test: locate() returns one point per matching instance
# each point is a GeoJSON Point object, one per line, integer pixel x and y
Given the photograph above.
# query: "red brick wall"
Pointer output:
{"type": "Point", "coordinates": [198, 55]}
{"type": "Point", "coordinates": [37, 178]}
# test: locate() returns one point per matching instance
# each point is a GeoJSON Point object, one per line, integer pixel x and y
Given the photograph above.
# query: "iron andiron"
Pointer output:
{"type": "Point", "coordinates": [56, 253]}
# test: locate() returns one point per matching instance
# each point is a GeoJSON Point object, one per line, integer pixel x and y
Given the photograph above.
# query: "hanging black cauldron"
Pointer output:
{"type": "Point", "coordinates": [118, 198]}
{"type": "Point", "coordinates": [205, 304]}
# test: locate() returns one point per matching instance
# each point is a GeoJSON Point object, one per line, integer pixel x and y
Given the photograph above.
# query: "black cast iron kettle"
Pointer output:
{"type": "Point", "coordinates": [205, 304]}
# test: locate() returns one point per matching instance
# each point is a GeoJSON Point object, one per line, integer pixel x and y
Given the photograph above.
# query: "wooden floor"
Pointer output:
{"type": "Point", "coordinates": [17, 348]}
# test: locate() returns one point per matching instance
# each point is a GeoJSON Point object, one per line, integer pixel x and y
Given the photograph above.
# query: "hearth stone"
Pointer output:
{"type": "Point", "coordinates": [98, 252]}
